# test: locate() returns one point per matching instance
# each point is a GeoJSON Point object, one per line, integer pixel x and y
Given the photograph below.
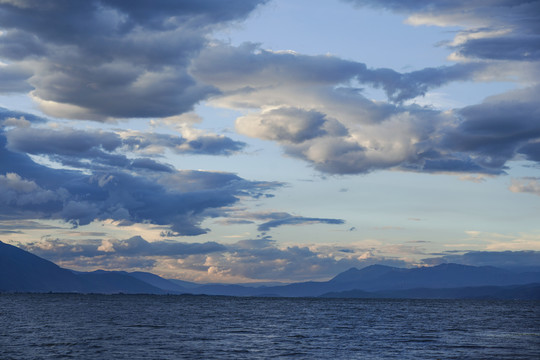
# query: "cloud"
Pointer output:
{"type": "Point", "coordinates": [20, 226]}
{"type": "Point", "coordinates": [315, 107]}
{"type": "Point", "coordinates": [264, 259]}
{"type": "Point", "coordinates": [245, 260]}
{"type": "Point", "coordinates": [127, 62]}
{"type": "Point", "coordinates": [297, 220]}
{"type": "Point", "coordinates": [276, 219]}
{"type": "Point", "coordinates": [98, 149]}
{"type": "Point", "coordinates": [494, 29]}
{"type": "Point", "coordinates": [13, 78]}
{"type": "Point", "coordinates": [191, 141]}
{"type": "Point", "coordinates": [109, 59]}
{"type": "Point", "coordinates": [136, 246]}
{"type": "Point", "coordinates": [120, 189]}
{"type": "Point", "coordinates": [248, 69]}
{"type": "Point", "coordinates": [503, 259]}
{"type": "Point", "coordinates": [496, 130]}
{"type": "Point", "coordinates": [311, 106]}
{"type": "Point", "coordinates": [529, 185]}
{"type": "Point", "coordinates": [291, 125]}
{"type": "Point", "coordinates": [25, 195]}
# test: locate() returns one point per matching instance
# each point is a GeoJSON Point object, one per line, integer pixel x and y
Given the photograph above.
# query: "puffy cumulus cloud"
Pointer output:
{"type": "Point", "coordinates": [310, 105]}
{"type": "Point", "coordinates": [494, 29]}
{"type": "Point", "coordinates": [287, 124]}
{"type": "Point", "coordinates": [503, 259]}
{"type": "Point", "coordinates": [99, 59]}
{"type": "Point", "coordinates": [315, 107]}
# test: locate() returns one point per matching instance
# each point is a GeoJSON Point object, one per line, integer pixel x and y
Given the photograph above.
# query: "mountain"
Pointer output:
{"type": "Point", "coordinates": [377, 277]}
{"type": "Point", "coordinates": [184, 284]}
{"type": "Point", "coordinates": [369, 272]}
{"type": "Point", "coordinates": [111, 282]}
{"type": "Point", "coordinates": [523, 292]}
{"type": "Point", "coordinates": [25, 272]}
{"type": "Point", "coordinates": [161, 283]}
{"type": "Point", "coordinates": [21, 271]}
{"type": "Point", "coordinates": [381, 278]}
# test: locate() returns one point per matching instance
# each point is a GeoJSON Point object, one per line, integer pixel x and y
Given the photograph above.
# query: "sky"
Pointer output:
{"type": "Point", "coordinates": [270, 140]}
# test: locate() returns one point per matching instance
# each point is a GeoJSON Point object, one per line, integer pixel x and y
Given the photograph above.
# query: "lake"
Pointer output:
{"type": "Point", "coordinates": [62, 326]}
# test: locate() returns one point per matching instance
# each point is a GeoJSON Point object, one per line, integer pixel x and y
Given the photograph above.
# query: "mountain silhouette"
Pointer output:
{"type": "Point", "coordinates": [24, 272]}
{"type": "Point", "coordinates": [21, 271]}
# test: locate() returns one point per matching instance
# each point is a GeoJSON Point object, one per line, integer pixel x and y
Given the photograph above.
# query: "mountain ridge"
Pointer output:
{"type": "Point", "coordinates": [21, 271]}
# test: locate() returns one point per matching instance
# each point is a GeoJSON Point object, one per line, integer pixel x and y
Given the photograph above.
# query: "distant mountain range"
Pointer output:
{"type": "Point", "coordinates": [21, 271]}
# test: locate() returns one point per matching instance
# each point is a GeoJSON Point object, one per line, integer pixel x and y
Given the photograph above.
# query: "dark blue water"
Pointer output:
{"type": "Point", "coordinates": [51, 326]}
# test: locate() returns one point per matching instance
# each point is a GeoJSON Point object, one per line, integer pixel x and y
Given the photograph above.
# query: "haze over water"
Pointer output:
{"type": "Point", "coordinates": [63, 326]}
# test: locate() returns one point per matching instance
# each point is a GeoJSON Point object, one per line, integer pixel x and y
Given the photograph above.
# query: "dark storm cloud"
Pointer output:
{"type": "Point", "coordinates": [98, 59]}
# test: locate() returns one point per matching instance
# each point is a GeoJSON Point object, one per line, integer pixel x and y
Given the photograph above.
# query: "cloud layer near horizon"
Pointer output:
{"type": "Point", "coordinates": [247, 260]}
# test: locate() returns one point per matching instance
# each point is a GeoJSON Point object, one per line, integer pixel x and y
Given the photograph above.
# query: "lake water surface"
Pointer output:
{"type": "Point", "coordinates": [61, 326]}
